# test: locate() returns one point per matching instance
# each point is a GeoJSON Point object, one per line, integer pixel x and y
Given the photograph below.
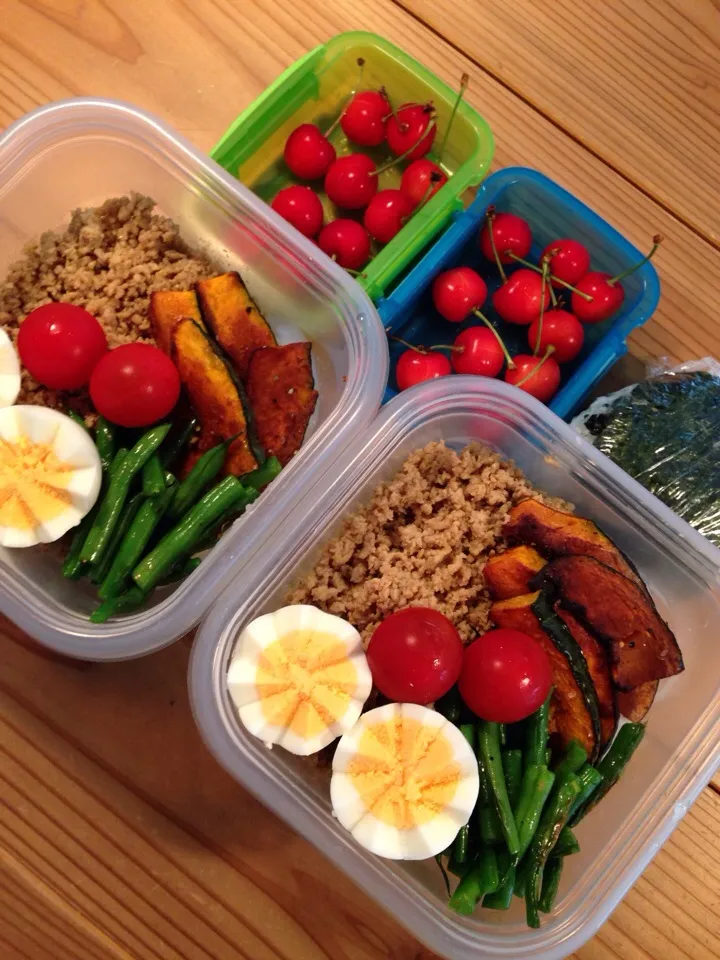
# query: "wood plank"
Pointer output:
{"type": "Point", "coordinates": [637, 83]}
{"type": "Point", "coordinates": [237, 50]}
{"type": "Point", "coordinates": [185, 863]}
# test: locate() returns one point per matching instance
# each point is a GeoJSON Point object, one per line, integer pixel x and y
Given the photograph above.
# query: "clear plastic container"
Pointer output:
{"type": "Point", "coordinates": [78, 153]}
{"type": "Point", "coordinates": [315, 89]}
{"type": "Point", "coordinates": [682, 745]}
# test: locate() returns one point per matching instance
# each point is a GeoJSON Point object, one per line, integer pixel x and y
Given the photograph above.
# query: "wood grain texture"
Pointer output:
{"type": "Point", "coordinates": [637, 83]}
{"type": "Point", "coordinates": [120, 837]}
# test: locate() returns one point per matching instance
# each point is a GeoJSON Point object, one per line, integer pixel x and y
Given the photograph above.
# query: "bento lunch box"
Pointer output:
{"type": "Point", "coordinates": [314, 90]}
{"type": "Point", "coordinates": [553, 213]}
{"type": "Point", "coordinates": [681, 748]}
{"type": "Point", "coordinates": [77, 153]}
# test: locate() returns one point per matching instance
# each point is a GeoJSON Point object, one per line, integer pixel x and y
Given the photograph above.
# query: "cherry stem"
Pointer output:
{"type": "Point", "coordinates": [528, 376]}
{"type": "Point", "coordinates": [434, 177]}
{"type": "Point", "coordinates": [447, 346]}
{"type": "Point", "coordinates": [553, 296]}
{"type": "Point", "coordinates": [464, 81]}
{"type": "Point", "coordinates": [490, 217]}
{"type": "Point", "coordinates": [543, 288]}
{"type": "Point", "coordinates": [510, 361]}
{"type": "Point", "coordinates": [410, 346]}
{"type": "Point", "coordinates": [338, 118]}
{"type": "Point", "coordinates": [657, 240]}
{"type": "Point", "coordinates": [403, 156]}
{"type": "Point", "coordinates": [553, 278]}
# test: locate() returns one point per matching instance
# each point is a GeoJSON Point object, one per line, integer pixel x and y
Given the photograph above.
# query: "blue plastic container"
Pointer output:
{"type": "Point", "coordinates": [552, 213]}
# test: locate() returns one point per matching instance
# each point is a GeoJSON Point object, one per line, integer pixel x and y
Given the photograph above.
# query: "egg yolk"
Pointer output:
{"type": "Point", "coordinates": [33, 482]}
{"type": "Point", "coordinates": [305, 682]}
{"type": "Point", "coordinates": [405, 772]}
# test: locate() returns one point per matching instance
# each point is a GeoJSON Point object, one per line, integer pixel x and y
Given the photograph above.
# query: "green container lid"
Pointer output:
{"type": "Point", "coordinates": [314, 90]}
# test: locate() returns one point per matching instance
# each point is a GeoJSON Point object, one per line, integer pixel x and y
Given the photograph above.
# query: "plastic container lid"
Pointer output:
{"type": "Point", "coordinates": [77, 153]}
{"type": "Point", "coordinates": [680, 751]}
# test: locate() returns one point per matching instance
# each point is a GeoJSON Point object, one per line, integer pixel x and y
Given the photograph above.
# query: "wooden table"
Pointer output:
{"type": "Point", "coordinates": [119, 835]}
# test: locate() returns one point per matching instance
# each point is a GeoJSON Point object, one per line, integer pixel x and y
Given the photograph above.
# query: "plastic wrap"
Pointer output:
{"type": "Point", "coordinates": [665, 432]}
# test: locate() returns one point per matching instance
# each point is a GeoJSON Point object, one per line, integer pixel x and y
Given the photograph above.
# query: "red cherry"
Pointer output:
{"type": "Point", "coordinates": [386, 213]}
{"type": "Point", "coordinates": [417, 180]}
{"type": "Point", "coordinates": [351, 181]}
{"type": "Point", "coordinates": [481, 353]}
{"type": "Point", "coordinates": [347, 242]}
{"type": "Point", "coordinates": [569, 260]}
{"type": "Point", "coordinates": [411, 129]}
{"type": "Point", "coordinates": [542, 373]}
{"type": "Point", "coordinates": [363, 120]}
{"type": "Point", "coordinates": [607, 297]}
{"type": "Point", "coordinates": [457, 292]}
{"type": "Point", "coordinates": [308, 153]}
{"type": "Point", "coordinates": [518, 299]}
{"type": "Point", "coordinates": [561, 330]}
{"type": "Point", "coordinates": [415, 367]}
{"type": "Point", "coordinates": [509, 232]}
{"type": "Point", "coordinates": [301, 207]}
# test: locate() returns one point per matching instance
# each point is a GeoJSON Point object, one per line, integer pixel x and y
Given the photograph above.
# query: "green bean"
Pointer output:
{"type": "Point", "coordinates": [264, 474]}
{"type": "Point", "coordinates": [136, 538]}
{"type": "Point", "coordinates": [98, 571]}
{"type": "Point", "coordinates": [612, 765]}
{"type": "Point", "coordinates": [450, 705]}
{"type": "Point", "coordinates": [443, 871]}
{"type": "Point", "coordinates": [79, 420]}
{"type": "Point", "coordinates": [177, 441]}
{"type": "Point", "coordinates": [502, 729]}
{"type": "Point", "coordinates": [198, 480]}
{"type": "Point", "coordinates": [501, 898]}
{"type": "Point", "coordinates": [554, 818]}
{"type": "Point", "coordinates": [542, 784]}
{"type": "Point", "coordinates": [550, 884]}
{"type": "Point", "coordinates": [117, 493]}
{"type": "Point", "coordinates": [212, 532]}
{"type": "Point", "coordinates": [537, 735]}
{"type": "Point", "coordinates": [487, 816]}
{"type": "Point", "coordinates": [180, 571]}
{"type": "Point", "coordinates": [590, 779]}
{"type": "Point", "coordinates": [125, 603]}
{"type": "Point", "coordinates": [575, 757]}
{"type": "Point", "coordinates": [567, 844]}
{"type": "Point", "coordinates": [105, 441]}
{"type": "Point", "coordinates": [73, 567]}
{"type": "Point", "coordinates": [185, 534]}
{"type": "Point", "coordinates": [481, 878]}
{"type": "Point", "coordinates": [459, 869]}
{"type": "Point", "coordinates": [153, 477]}
{"type": "Point", "coordinates": [489, 737]}
{"type": "Point", "coordinates": [461, 846]}
{"type": "Point", "coordinates": [548, 756]}
{"type": "Point", "coordinates": [512, 765]}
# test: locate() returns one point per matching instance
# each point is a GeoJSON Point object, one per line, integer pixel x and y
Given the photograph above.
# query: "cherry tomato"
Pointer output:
{"type": "Point", "coordinates": [415, 655]}
{"type": "Point", "coordinates": [135, 385]}
{"type": "Point", "coordinates": [60, 344]}
{"type": "Point", "coordinates": [538, 376]}
{"type": "Point", "coordinates": [415, 367]}
{"type": "Point", "coordinates": [506, 675]}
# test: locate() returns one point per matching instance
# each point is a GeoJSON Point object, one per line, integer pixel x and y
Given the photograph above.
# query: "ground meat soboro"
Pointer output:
{"type": "Point", "coordinates": [108, 260]}
{"type": "Point", "coordinates": [423, 540]}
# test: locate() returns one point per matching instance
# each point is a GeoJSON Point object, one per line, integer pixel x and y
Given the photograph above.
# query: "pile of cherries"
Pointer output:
{"type": "Point", "coordinates": [351, 182]}
{"type": "Point", "coordinates": [528, 297]}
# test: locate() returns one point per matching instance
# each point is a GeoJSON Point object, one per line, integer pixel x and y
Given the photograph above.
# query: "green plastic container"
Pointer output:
{"type": "Point", "coordinates": [314, 90]}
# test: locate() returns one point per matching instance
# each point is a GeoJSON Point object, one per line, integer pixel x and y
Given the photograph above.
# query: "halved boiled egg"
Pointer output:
{"type": "Point", "coordinates": [50, 475]}
{"type": "Point", "coordinates": [404, 781]}
{"type": "Point", "coordinates": [9, 371]}
{"type": "Point", "coordinates": [299, 678]}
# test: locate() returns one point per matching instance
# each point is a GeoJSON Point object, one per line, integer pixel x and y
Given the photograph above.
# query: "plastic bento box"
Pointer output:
{"type": "Point", "coordinates": [552, 213]}
{"type": "Point", "coordinates": [682, 745]}
{"type": "Point", "coordinates": [78, 153]}
{"type": "Point", "coordinates": [314, 90]}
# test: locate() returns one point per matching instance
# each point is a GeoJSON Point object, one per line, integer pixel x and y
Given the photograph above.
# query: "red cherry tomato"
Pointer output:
{"type": "Point", "coordinates": [481, 353]}
{"type": "Point", "coordinates": [560, 330]}
{"type": "Point", "coordinates": [60, 344]}
{"type": "Point", "coordinates": [415, 655]}
{"type": "Point", "coordinates": [415, 367]}
{"type": "Point", "coordinates": [543, 376]}
{"type": "Point", "coordinates": [506, 675]}
{"type": "Point", "coordinates": [135, 385]}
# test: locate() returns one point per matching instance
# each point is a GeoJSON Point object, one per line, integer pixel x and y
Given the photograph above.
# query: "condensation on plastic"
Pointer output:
{"type": "Point", "coordinates": [665, 432]}
{"type": "Point", "coordinates": [681, 749]}
{"type": "Point", "coordinates": [77, 153]}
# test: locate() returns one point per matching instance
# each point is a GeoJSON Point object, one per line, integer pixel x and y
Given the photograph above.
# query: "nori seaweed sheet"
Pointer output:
{"type": "Point", "coordinates": [666, 434]}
